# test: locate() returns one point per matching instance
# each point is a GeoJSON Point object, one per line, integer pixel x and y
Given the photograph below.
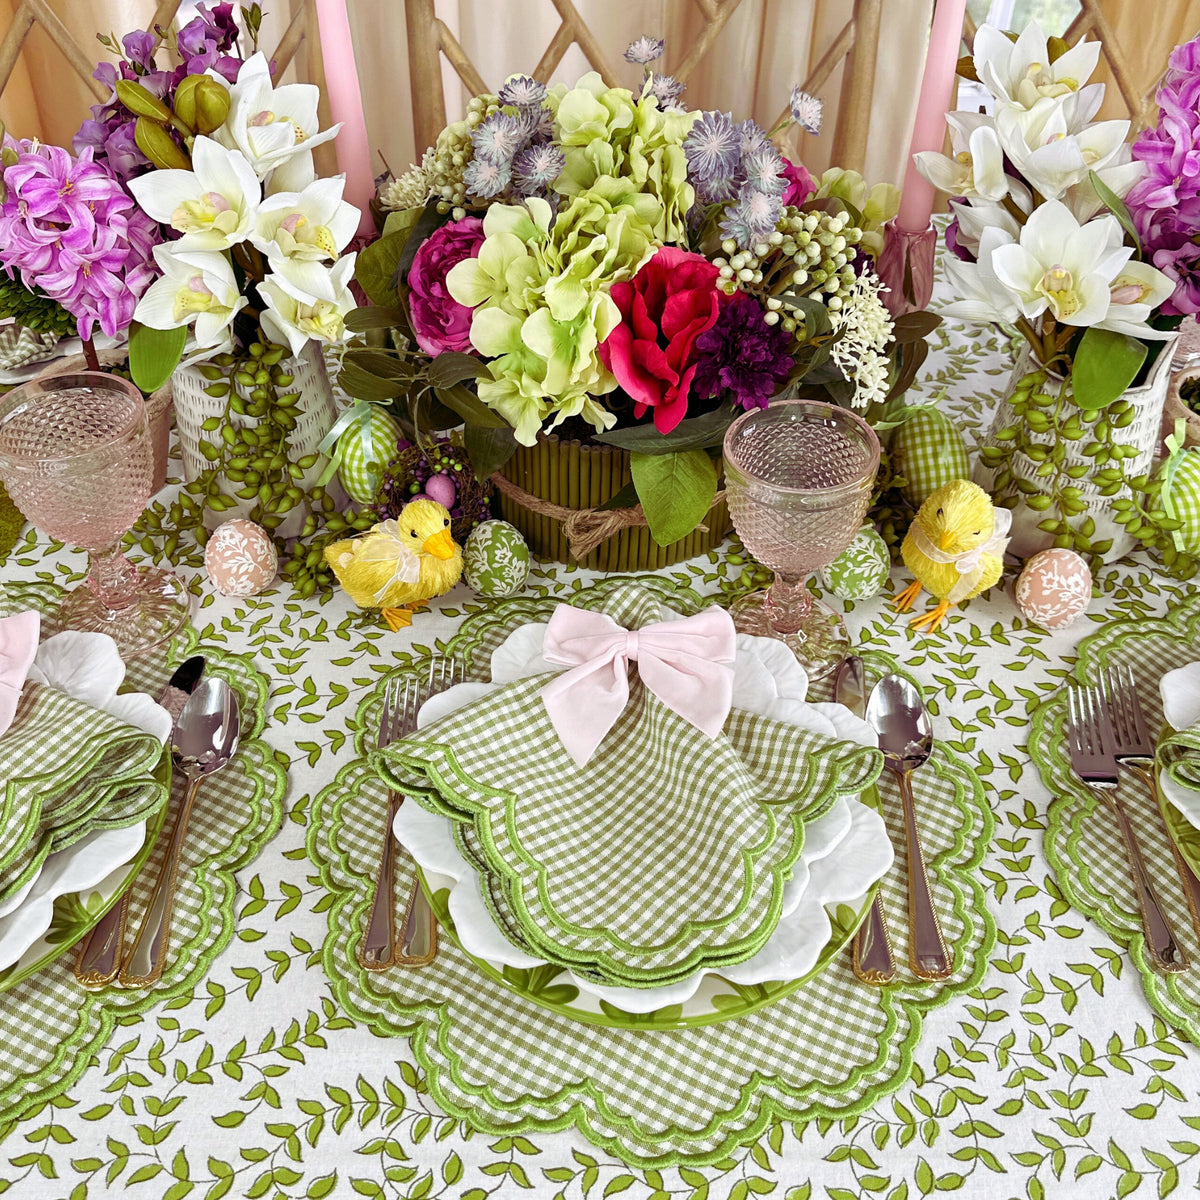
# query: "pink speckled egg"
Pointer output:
{"type": "Point", "coordinates": [240, 558]}
{"type": "Point", "coordinates": [442, 489]}
{"type": "Point", "coordinates": [1054, 588]}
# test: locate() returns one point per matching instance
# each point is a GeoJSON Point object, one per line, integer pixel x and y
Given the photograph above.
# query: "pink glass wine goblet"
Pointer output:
{"type": "Point", "coordinates": [76, 458]}
{"type": "Point", "coordinates": [798, 478]}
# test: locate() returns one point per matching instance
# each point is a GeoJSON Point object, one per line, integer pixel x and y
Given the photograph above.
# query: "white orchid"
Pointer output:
{"type": "Point", "coordinates": [272, 125]}
{"type": "Point", "coordinates": [295, 315]}
{"type": "Point", "coordinates": [1134, 293]}
{"type": "Point", "coordinates": [979, 295]}
{"type": "Point", "coordinates": [213, 205]}
{"type": "Point", "coordinates": [1048, 155]}
{"type": "Point", "coordinates": [1062, 267]}
{"type": "Point", "coordinates": [1021, 72]}
{"type": "Point", "coordinates": [306, 229]}
{"type": "Point", "coordinates": [197, 287]}
{"type": "Point", "coordinates": [976, 165]}
{"type": "Point", "coordinates": [1118, 176]}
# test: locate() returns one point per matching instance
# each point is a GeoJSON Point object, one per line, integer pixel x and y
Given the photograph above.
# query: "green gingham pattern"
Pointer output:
{"type": "Point", "coordinates": [1083, 843]}
{"type": "Point", "coordinates": [50, 1027]}
{"type": "Point", "coordinates": [1184, 500]}
{"type": "Point", "coordinates": [928, 451]}
{"type": "Point", "coordinates": [20, 346]}
{"type": "Point", "coordinates": [67, 769]}
{"type": "Point", "coordinates": [654, 1098]}
{"type": "Point", "coordinates": [736, 806]}
{"type": "Point", "coordinates": [365, 449]}
{"type": "Point", "coordinates": [1179, 755]}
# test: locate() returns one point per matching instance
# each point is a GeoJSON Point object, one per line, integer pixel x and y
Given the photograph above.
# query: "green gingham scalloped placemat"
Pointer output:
{"type": "Point", "coordinates": [1082, 841]}
{"type": "Point", "coordinates": [50, 1027]}
{"type": "Point", "coordinates": [834, 1048]}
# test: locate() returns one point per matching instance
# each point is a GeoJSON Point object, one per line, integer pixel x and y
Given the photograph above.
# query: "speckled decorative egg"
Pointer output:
{"type": "Point", "coordinates": [442, 488]}
{"type": "Point", "coordinates": [861, 570]}
{"type": "Point", "coordinates": [496, 559]}
{"type": "Point", "coordinates": [366, 448]}
{"type": "Point", "coordinates": [927, 451]}
{"type": "Point", "coordinates": [1054, 588]}
{"type": "Point", "coordinates": [240, 558]}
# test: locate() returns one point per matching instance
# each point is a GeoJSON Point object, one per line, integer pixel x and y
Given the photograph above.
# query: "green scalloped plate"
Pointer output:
{"type": "Point", "coordinates": [716, 999]}
{"type": "Point", "coordinates": [76, 915]}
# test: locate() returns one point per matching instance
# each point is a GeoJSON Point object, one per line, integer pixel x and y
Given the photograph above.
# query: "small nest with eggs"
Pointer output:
{"type": "Point", "coordinates": [408, 473]}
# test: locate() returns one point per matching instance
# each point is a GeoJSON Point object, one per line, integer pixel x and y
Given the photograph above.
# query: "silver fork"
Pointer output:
{"type": "Point", "coordinates": [1090, 738]}
{"type": "Point", "coordinates": [1134, 749]}
{"type": "Point", "coordinates": [402, 700]}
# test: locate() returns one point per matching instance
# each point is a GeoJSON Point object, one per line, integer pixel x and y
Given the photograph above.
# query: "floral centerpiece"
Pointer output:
{"type": "Point", "coordinates": [1041, 240]}
{"type": "Point", "coordinates": [604, 264]}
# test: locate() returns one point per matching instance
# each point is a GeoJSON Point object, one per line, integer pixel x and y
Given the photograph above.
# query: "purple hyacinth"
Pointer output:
{"type": "Point", "coordinates": [139, 48]}
{"type": "Point", "coordinates": [713, 148]}
{"type": "Point", "coordinates": [73, 232]}
{"type": "Point", "coordinates": [753, 218]}
{"type": "Point", "coordinates": [743, 355]}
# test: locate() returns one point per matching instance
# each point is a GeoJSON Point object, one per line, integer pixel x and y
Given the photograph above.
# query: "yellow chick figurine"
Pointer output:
{"type": "Point", "coordinates": [954, 547]}
{"type": "Point", "coordinates": [399, 564]}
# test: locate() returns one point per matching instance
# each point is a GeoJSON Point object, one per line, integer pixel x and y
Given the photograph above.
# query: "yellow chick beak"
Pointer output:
{"type": "Point", "coordinates": [440, 545]}
{"type": "Point", "coordinates": [947, 539]}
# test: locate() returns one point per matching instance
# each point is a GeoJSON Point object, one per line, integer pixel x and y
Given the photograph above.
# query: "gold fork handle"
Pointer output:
{"type": "Point", "coordinates": [1160, 940]}
{"type": "Point", "coordinates": [927, 954]}
{"type": "Point", "coordinates": [143, 965]}
{"type": "Point", "coordinates": [872, 959]}
{"type": "Point", "coordinates": [418, 932]}
{"type": "Point", "coordinates": [379, 946]}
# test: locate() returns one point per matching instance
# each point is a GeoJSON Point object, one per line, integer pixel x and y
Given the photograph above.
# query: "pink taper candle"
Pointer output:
{"type": "Point", "coordinates": [929, 131]}
{"type": "Point", "coordinates": [345, 106]}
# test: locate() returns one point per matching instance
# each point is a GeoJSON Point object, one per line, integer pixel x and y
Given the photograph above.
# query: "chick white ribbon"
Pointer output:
{"type": "Point", "coordinates": [687, 664]}
{"type": "Point", "coordinates": [968, 563]}
{"type": "Point", "coordinates": [18, 645]}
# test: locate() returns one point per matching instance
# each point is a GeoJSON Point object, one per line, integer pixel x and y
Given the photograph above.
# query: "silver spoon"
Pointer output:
{"type": "Point", "coordinates": [204, 741]}
{"type": "Point", "coordinates": [898, 715]}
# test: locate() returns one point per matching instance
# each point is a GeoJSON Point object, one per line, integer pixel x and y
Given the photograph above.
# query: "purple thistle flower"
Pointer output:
{"type": "Point", "coordinates": [713, 148]}
{"type": "Point", "coordinates": [806, 111]}
{"type": "Point", "coordinates": [534, 124]}
{"type": "Point", "coordinates": [743, 355]}
{"type": "Point", "coordinates": [485, 179]}
{"type": "Point", "coordinates": [753, 135]}
{"type": "Point", "coordinates": [522, 91]}
{"type": "Point", "coordinates": [645, 50]}
{"type": "Point", "coordinates": [763, 169]}
{"type": "Point", "coordinates": [717, 191]}
{"type": "Point", "coordinates": [537, 167]}
{"type": "Point", "coordinates": [753, 218]}
{"type": "Point", "coordinates": [666, 89]}
{"type": "Point", "coordinates": [497, 139]}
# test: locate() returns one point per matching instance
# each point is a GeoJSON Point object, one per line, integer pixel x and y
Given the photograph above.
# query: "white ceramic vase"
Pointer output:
{"type": "Point", "coordinates": [1144, 433]}
{"type": "Point", "coordinates": [316, 413]}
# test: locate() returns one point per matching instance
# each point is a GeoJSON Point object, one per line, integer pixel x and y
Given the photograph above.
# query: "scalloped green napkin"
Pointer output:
{"type": "Point", "coordinates": [1178, 754]}
{"type": "Point", "coordinates": [68, 769]}
{"type": "Point", "coordinates": [667, 852]}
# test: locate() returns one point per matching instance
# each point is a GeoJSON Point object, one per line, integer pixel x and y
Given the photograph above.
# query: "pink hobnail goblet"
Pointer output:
{"type": "Point", "coordinates": [76, 458]}
{"type": "Point", "coordinates": [798, 479]}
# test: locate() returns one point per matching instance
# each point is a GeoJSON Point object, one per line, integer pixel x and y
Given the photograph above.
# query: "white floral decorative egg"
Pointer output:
{"type": "Point", "coordinates": [495, 559]}
{"type": "Point", "coordinates": [1054, 588]}
{"type": "Point", "coordinates": [861, 570]}
{"type": "Point", "coordinates": [240, 558]}
{"type": "Point", "coordinates": [366, 448]}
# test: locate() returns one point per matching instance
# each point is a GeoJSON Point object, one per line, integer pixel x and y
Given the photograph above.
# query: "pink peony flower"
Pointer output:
{"type": "Point", "coordinates": [800, 183]}
{"type": "Point", "coordinates": [439, 322]}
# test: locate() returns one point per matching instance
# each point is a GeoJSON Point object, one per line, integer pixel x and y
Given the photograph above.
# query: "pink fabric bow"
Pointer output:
{"type": "Point", "coordinates": [687, 664]}
{"type": "Point", "coordinates": [18, 645]}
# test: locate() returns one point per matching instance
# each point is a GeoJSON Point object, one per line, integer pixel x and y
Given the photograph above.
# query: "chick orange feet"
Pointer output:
{"type": "Point", "coordinates": [933, 618]}
{"type": "Point", "coordinates": [905, 600]}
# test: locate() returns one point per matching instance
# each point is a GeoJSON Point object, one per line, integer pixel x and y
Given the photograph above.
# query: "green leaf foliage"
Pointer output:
{"type": "Point", "coordinates": [692, 433]}
{"type": "Point", "coordinates": [676, 491]}
{"type": "Point", "coordinates": [1106, 363]}
{"type": "Point", "coordinates": [154, 354]}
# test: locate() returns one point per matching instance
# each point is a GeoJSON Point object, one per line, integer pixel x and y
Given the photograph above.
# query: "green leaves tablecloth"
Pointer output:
{"type": "Point", "coordinates": [1053, 1077]}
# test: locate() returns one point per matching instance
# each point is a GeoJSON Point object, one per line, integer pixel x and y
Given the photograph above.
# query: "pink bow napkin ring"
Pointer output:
{"type": "Point", "coordinates": [687, 664]}
{"type": "Point", "coordinates": [18, 645]}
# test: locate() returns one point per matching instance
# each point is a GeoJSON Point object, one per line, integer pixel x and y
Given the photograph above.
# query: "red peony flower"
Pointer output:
{"type": "Point", "coordinates": [667, 305]}
{"type": "Point", "coordinates": [800, 183]}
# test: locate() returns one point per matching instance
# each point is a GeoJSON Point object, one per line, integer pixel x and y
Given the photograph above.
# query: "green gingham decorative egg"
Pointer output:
{"type": "Point", "coordinates": [928, 450]}
{"type": "Point", "coordinates": [1185, 500]}
{"type": "Point", "coordinates": [358, 450]}
{"type": "Point", "coordinates": [861, 570]}
{"type": "Point", "coordinates": [495, 559]}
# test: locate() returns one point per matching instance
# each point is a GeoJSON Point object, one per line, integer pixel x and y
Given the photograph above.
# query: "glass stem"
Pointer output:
{"type": "Point", "coordinates": [788, 603]}
{"type": "Point", "coordinates": [112, 578]}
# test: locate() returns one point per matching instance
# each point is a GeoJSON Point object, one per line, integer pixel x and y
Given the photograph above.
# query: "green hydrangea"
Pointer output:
{"type": "Point", "coordinates": [610, 133]}
{"type": "Point", "coordinates": [539, 287]}
{"type": "Point", "coordinates": [878, 204]}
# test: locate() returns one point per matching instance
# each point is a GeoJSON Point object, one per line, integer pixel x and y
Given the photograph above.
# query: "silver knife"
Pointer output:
{"type": "Point", "coordinates": [99, 956]}
{"type": "Point", "coordinates": [872, 958]}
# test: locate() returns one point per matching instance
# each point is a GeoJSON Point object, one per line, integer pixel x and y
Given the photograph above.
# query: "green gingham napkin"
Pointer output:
{"type": "Point", "coordinates": [667, 852]}
{"type": "Point", "coordinates": [1179, 746]}
{"type": "Point", "coordinates": [68, 769]}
